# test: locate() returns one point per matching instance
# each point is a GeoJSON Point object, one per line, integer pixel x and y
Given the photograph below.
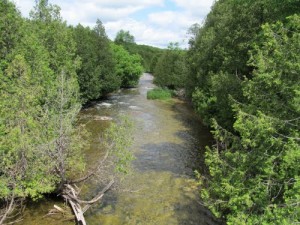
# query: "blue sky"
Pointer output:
{"type": "Point", "coordinates": [151, 22]}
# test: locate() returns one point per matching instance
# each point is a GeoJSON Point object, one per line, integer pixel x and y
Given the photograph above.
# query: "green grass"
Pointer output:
{"type": "Point", "coordinates": [159, 93]}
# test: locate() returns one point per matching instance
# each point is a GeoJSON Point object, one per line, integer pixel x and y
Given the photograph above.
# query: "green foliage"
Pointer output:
{"type": "Point", "coordinates": [60, 105]}
{"type": "Point", "coordinates": [170, 70]}
{"type": "Point", "coordinates": [39, 102]}
{"type": "Point", "coordinates": [128, 67]}
{"type": "Point", "coordinates": [22, 170]}
{"type": "Point", "coordinates": [220, 48]}
{"type": "Point", "coordinates": [149, 54]}
{"type": "Point", "coordinates": [10, 21]}
{"type": "Point", "coordinates": [159, 93]}
{"type": "Point", "coordinates": [96, 76]}
{"type": "Point", "coordinates": [40, 80]}
{"type": "Point", "coordinates": [216, 101]}
{"type": "Point", "coordinates": [119, 139]}
{"type": "Point", "coordinates": [23, 165]}
{"type": "Point", "coordinates": [124, 37]}
{"type": "Point", "coordinates": [254, 173]}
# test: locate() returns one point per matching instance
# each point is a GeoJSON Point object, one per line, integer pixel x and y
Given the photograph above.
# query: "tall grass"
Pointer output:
{"type": "Point", "coordinates": [159, 93]}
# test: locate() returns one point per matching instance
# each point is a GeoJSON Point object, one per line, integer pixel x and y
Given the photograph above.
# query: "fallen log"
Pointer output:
{"type": "Point", "coordinates": [77, 212]}
{"type": "Point", "coordinates": [59, 209]}
{"type": "Point", "coordinates": [71, 196]}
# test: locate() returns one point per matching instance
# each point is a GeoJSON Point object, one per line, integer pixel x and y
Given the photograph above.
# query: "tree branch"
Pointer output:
{"type": "Point", "coordinates": [8, 210]}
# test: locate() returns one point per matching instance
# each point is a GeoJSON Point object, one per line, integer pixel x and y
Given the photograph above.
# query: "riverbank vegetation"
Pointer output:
{"type": "Point", "coordinates": [243, 78]}
{"type": "Point", "coordinates": [47, 71]}
{"type": "Point", "coordinates": [170, 70]}
{"type": "Point", "coordinates": [128, 66]}
{"type": "Point", "coordinates": [159, 93]}
{"type": "Point", "coordinates": [170, 73]}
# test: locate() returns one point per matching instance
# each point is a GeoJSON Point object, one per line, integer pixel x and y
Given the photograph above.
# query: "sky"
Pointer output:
{"type": "Point", "coordinates": [151, 22]}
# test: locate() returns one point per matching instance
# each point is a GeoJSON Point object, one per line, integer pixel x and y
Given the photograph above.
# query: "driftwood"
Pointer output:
{"type": "Point", "coordinates": [8, 210]}
{"type": "Point", "coordinates": [71, 196]}
{"type": "Point", "coordinates": [10, 213]}
{"type": "Point", "coordinates": [59, 209]}
{"type": "Point", "coordinates": [103, 118]}
{"type": "Point", "coordinates": [70, 193]}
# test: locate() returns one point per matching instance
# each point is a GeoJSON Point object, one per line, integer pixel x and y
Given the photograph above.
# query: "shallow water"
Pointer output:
{"type": "Point", "coordinates": [168, 145]}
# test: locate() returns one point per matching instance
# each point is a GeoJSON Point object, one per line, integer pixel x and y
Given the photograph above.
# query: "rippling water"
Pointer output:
{"type": "Point", "coordinates": [168, 145]}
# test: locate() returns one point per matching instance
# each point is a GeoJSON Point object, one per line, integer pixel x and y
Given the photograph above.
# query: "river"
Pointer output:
{"type": "Point", "coordinates": [169, 141]}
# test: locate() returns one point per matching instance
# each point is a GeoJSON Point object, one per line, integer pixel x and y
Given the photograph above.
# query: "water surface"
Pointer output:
{"type": "Point", "coordinates": [168, 145]}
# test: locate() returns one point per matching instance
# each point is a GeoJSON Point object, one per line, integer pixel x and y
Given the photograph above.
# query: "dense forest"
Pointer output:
{"type": "Point", "coordinates": [48, 70]}
{"type": "Point", "coordinates": [242, 76]}
{"type": "Point", "coordinates": [241, 73]}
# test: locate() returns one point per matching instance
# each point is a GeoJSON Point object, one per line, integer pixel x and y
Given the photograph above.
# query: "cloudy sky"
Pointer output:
{"type": "Point", "coordinates": [151, 22]}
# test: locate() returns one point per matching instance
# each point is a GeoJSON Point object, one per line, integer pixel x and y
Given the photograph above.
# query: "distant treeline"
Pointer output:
{"type": "Point", "coordinates": [243, 77]}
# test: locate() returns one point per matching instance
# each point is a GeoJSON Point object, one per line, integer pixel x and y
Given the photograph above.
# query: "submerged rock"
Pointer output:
{"type": "Point", "coordinates": [104, 104]}
{"type": "Point", "coordinates": [134, 107]}
{"type": "Point", "coordinates": [103, 118]}
{"type": "Point", "coordinates": [149, 88]}
{"type": "Point", "coordinates": [123, 103]}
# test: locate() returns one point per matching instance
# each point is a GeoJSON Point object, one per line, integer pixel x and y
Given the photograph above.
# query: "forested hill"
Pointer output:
{"type": "Point", "coordinates": [149, 54]}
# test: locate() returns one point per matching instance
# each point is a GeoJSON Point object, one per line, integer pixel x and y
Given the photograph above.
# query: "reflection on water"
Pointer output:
{"type": "Point", "coordinates": [168, 140]}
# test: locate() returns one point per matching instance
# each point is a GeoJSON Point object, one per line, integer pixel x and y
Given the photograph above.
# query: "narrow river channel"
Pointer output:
{"type": "Point", "coordinates": [168, 145]}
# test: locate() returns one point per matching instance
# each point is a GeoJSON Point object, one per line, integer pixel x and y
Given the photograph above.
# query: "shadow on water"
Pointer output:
{"type": "Point", "coordinates": [164, 156]}
{"type": "Point", "coordinates": [198, 136]}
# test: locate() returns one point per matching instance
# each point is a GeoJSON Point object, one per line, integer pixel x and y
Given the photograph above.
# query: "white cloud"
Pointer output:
{"type": "Point", "coordinates": [143, 33]}
{"type": "Point", "coordinates": [172, 19]}
{"type": "Point", "coordinates": [107, 10]}
{"type": "Point", "coordinates": [78, 10]}
{"type": "Point", "coordinates": [155, 28]}
{"type": "Point", "coordinates": [124, 3]}
{"type": "Point", "coordinates": [195, 7]}
{"type": "Point", "coordinates": [89, 13]}
{"type": "Point", "coordinates": [24, 6]}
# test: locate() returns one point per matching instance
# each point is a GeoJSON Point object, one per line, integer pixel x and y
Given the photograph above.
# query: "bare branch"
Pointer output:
{"type": "Point", "coordinates": [8, 210]}
{"type": "Point", "coordinates": [92, 173]}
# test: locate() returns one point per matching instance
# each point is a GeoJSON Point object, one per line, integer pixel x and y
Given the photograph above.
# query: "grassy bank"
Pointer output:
{"type": "Point", "coordinates": [159, 93]}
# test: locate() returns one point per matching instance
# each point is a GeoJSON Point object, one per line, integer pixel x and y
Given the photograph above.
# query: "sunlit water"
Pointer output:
{"type": "Point", "coordinates": [168, 145]}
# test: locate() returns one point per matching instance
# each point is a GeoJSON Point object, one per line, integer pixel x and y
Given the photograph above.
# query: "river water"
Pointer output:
{"type": "Point", "coordinates": [169, 141]}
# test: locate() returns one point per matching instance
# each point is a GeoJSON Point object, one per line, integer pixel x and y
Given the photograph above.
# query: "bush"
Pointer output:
{"type": "Point", "coordinates": [159, 93]}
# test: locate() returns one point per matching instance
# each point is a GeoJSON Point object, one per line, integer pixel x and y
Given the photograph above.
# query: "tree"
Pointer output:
{"type": "Point", "coordinates": [146, 52]}
{"type": "Point", "coordinates": [124, 37]}
{"type": "Point", "coordinates": [128, 67]}
{"type": "Point", "coordinates": [96, 76]}
{"type": "Point", "coordinates": [100, 29]}
{"type": "Point", "coordinates": [254, 173]}
{"type": "Point", "coordinates": [29, 91]}
{"type": "Point", "coordinates": [40, 141]}
{"type": "Point", "coordinates": [10, 22]}
{"type": "Point", "coordinates": [170, 70]}
{"type": "Point", "coordinates": [109, 79]}
{"type": "Point", "coordinates": [60, 104]}
{"type": "Point", "coordinates": [20, 137]}
{"type": "Point", "coordinates": [24, 165]}
{"type": "Point", "coordinates": [220, 48]}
